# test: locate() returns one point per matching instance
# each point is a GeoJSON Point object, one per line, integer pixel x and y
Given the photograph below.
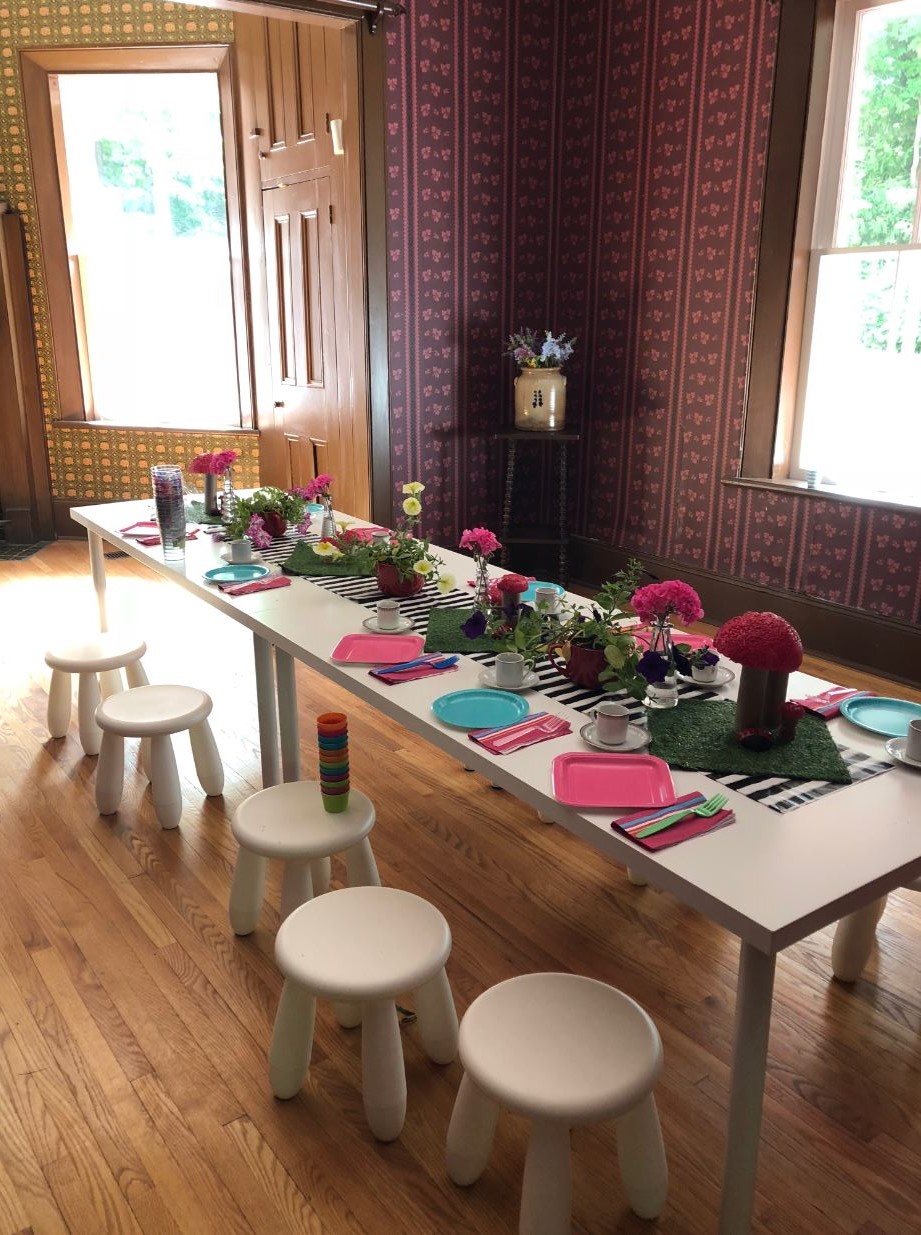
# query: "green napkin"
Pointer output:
{"type": "Point", "coordinates": [303, 561]}
{"type": "Point", "coordinates": [445, 634]}
{"type": "Point", "coordinates": [700, 737]}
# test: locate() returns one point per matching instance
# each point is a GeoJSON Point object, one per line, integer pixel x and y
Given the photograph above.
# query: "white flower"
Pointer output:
{"type": "Point", "coordinates": [445, 584]}
{"type": "Point", "coordinates": [423, 566]}
{"type": "Point", "coordinates": [414, 488]}
{"type": "Point", "coordinates": [412, 506]}
{"type": "Point", "coordinates": [325, 548]}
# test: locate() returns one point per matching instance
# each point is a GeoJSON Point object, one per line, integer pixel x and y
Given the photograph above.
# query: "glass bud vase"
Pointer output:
{"type": "Point", "coordinates": [481, 585]}
{"type": "Point", "coordinates": [663, 694]}
{"type": "Point", "coordinates": [328, 525]}
{"type": "Point", "coordinates": [228, 499]}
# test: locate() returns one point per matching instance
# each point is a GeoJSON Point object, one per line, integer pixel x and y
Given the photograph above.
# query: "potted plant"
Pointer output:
{"type": "Point", "coordinates": [266, 515]}
{"type": "Point", "coordinates": [401, 561]}
{"type": "Point", "coordinates": [540, 387]}
{"type": "Point", "coordinates": [702, 664]}
{"type": "Point", "coordinates": [595, 651]}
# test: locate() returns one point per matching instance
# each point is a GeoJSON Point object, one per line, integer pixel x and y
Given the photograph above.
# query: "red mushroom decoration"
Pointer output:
{"type": "Point", "coordinates": [511, 587]}
{"type": "Point", "coordinates": [768, 649]}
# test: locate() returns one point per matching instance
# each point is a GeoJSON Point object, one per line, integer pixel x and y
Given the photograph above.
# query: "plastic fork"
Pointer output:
{"type": "Point", "coordinates": [712, 806]}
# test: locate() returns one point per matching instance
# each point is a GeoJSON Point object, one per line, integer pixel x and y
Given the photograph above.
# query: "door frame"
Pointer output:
{"type": "Point", "coordinates": [372, 175]}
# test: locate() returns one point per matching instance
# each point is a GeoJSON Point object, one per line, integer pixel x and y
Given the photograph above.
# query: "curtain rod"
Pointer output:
{"type": "Point", "coordinates": [374, 10]}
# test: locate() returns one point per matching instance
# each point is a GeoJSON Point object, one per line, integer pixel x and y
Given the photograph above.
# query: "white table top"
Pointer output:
{"type": "Point", "coordinates": [769, 878]}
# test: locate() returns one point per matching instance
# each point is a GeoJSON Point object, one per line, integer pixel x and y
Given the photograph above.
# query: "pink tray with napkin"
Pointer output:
{"type": "Point", "coordinates": [595, 782]}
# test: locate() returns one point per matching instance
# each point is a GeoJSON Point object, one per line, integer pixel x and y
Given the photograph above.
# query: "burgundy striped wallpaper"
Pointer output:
{"type": "Point", "coordinates": [597, 167]}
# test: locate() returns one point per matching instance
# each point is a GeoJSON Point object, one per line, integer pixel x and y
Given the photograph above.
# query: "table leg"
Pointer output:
{"type": "Point", "coordinates": [754, 996]}
{"type": "Point", "coordinates": [287, 716]}
{"type": "Point", "coordinates": [563, 519]}
{"type": "Point", "coordinates": [98, 567]}
{"type": "Point", "coordinates": [267, 708]}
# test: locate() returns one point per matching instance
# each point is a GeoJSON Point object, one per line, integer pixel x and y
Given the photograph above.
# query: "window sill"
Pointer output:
{"type": "Point", "coordinates": [823, 492]}
{"type": "Point", "coordinates": [116, 426]}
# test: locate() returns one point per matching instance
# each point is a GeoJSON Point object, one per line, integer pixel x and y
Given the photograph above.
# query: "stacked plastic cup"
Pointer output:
{"type": "Point", "coordinates": [333, 741]}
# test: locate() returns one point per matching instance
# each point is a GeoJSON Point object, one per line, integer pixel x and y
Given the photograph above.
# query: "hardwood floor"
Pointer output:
{"type": "Point", "coordinates": [134, 1025]}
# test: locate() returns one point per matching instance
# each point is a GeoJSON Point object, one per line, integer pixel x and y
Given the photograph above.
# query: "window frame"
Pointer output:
{"type": "Point", "coordinates": [38, 65]}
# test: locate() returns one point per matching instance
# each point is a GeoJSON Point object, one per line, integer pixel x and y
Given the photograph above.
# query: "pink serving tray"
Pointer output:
{"type": "Point", "coordinates": [376, 649]}
{"type": "Point", "coordinates": [597, 782]}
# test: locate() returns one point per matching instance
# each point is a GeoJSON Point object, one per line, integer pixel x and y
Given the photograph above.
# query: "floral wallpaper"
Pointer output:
{"type": "Point", "coordinates": [90, 462]}
{"type": "Point", "coordinates": [599, 170]}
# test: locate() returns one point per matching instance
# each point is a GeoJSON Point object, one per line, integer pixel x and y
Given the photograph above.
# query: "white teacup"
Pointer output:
{"type": "Point", "coordinates": [704, 673]}
{"type": "Point", "coordinates": [509, 669]}
{"type": "Point", "coordinates": [547, 600]}
{"type": "Point", "coordinates": [611, 722]}
{"type": "Point", "coordinates": [388, 614]}
{"type": "Point", "coordinates": [241, 550]}
{"type": "Point", "coordinates": [913, 740]}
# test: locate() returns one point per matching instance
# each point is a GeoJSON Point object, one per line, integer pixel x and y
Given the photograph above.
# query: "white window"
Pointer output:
{"type": "Point", "coordinates": [141, 162]}
{"type": "Point", "coordinates": [858, 416]}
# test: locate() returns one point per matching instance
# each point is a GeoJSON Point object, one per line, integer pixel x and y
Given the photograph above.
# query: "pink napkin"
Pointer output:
{"type": "Point", "coordinates": [411, 675]}
{"type": "Point", "coordinates": [540, 727]}
{"type": "Point", "coordinates": [828, 702]}
{"type": "Point", "coordinates": [694, 825]}
{"type": "Point", "coordinates": [155, 540]}
{"type": "Point", "coordinates": [131, 526]}
{"type": "Point", "coordinates": [258, 585]}
{"type": "Point", "coordinates": [363, 533]}
{"type": "Point", "coordinates": [678, 636]}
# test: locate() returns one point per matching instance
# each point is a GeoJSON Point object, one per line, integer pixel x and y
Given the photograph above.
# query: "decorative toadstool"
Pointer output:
{"type": "Point", "coordinates": [768, 649]}
{"type": "Point", "coordinates": [511, 587]}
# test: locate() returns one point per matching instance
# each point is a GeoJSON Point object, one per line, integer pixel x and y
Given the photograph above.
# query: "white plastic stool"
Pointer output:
{"type": "Point", "coordinates": [288, 822]}
{"type": "Point", "coordinates": [99, 661]}
{"type": "Point", "coordinates": [152, 713]}
{"type": "Point", "coordinates": [563, 1050]}
{"type": "Point", "coordinates": [364, 946]}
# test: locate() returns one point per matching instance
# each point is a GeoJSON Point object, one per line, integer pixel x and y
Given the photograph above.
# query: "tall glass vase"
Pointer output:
{"type": "Point", "coordinates": [170, 506]}
{"type": "Point", "coordinates": [663, 694]}
{"type": "Point", "coordinates": [481, 585]}
{"type": "Point", "coordinates": [228, 499]}
{"type": "Point", "coordinates": [328, 526]}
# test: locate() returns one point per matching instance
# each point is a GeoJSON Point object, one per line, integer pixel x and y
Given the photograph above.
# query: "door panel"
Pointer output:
{"type": "Point", "coordinates": [294, 135]}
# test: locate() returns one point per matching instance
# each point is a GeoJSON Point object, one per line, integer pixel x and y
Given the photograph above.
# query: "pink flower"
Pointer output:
{"type": "Point", "coordinates": [658, 601]}
{"type": "Point", "coordinates": [318, 487]}
{"type": "Point", "coordinates": [479, 540]}
{"type": "Point", "coordinates": [255, 530]}
{"type": "Point", "coordinates": [214, 462]}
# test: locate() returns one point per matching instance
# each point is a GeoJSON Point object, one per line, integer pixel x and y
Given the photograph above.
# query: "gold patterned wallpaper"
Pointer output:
{"type": "Point", "coordinates": [99, 463]}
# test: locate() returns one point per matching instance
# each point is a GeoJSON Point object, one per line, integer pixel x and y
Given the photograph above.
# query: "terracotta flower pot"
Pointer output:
{"type": "Point", "coordinates": [275, 524]}
{"type": "Point", "coordinates": [582, 665]}
{"type": "Point", "coordinates": [391, 584]}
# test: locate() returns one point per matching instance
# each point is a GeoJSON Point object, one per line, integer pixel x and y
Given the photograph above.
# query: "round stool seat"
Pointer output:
{"type": "Point", "coordinates": [363, 943]}
{"type": "Point", "coordinates": [289, 821]}
{"type": "Point", "coordinates": [146, 711]}
{"type": "Point", "coordinates": [110, 650]}
{"type": "Point", "coordinates": [558, 1046]}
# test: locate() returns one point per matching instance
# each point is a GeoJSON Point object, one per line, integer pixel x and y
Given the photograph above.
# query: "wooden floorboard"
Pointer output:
{"type": "Point", "coordinates": [134, 1025]}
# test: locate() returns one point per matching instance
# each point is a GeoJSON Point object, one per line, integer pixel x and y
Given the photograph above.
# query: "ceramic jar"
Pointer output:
{"type": "Point", "coordinates": [540, 400]}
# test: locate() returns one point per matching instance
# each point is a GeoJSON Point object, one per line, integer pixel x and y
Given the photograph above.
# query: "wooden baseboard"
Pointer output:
{"type": "Point", "coordinates": [851, 636]}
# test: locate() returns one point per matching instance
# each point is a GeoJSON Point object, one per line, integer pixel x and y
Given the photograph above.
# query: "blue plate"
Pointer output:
{"type": "Point", "coordinates": [529, 597]}
{"type": "Point", "coordinates": [315, 508]}
{"type": "Point", "coordinates": [241, 572]}
{"type": "Point", "coordinates": [889, 717]}
{"type": "Point", "coordinates": [479, 709]}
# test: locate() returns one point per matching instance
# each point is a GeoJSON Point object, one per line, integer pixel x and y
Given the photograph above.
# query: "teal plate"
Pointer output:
{"type": "Point", "coordinates": [889, 717]}
{"type": "Point", "coordinates": [479, 709]}
{"type": "Point", "coordinates": [529, 597]}
{"type": "Point", "coordinates": [242, 572]}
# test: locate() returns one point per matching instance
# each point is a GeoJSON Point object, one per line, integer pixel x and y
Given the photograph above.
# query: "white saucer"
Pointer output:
{"type": "Point", "coordinates": [488, 678]}
{"type": "Point", "coordinates": [896, 748]}
{"type": "Point", "coordinates": [636, 737]}
{"type": "Point", "coordinates": [255, 558]}
{"type": "Point", "coordinates": [403, 624]}
{"type": "Point", "coordinates": [723, 677]}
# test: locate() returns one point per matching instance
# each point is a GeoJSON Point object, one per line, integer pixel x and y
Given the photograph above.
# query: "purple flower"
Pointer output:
{"type": "Point", "coordinates": [652, 666]}
{"type": "Point", "coordinates": [475, 625]}
{"type": "Point", "coordinates": [255, 530]}
{"type": "Point", "coordinates": [682, 662]}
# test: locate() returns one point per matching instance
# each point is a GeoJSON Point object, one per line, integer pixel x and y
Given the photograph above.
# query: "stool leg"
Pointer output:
{"type": "Point", "coordinates": [247, 891]}
{"type": "Point", "coordinates": [208, 764]}
{"type": "Point", "coordinates": [854, 936]}
{"type": "Point", "coordinates": [164, 782]}
{"type": "Point", "coordinates": [110, 773]}
{"type": "Point", "coordinates": [360, 867]}
{"type": "Point", "coordinates": [641, 1155]}
{"type": "Point", "coordinates": [546, 1192]}
{"type": "Point", "coordinates": [292, 1040]}
{"type": "Point", "coordinates": [320, 873]}
{"type": "Point", "coordinates": [111, 682]}
{"type": "Point", "coordinates": [136, 674]}
{"type": "Point", "coordinates": [296, 886]}
{"type": "Point", "coordinates": [59, 703]}
{"type": "Point", "coordinates": [383, 1077]}
{"type": "Point", "coordinates": [437, 1018]}
{"type": "Point", "coordinates": [145, 757]}
{"type": "Point", "coordinates": [470, 1133]}
{"type": "Point", "coordinates": [348, 1014]}
{"type": "Point", "coordinates": [638, 880]}
{"type": "Point", "coordinates": [87, 703]}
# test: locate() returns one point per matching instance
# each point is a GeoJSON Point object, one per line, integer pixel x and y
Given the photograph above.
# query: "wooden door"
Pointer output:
{"type": "Point", "coordinates": [302, 323]}
{"type": "Point", "coordinates": [291, 78]}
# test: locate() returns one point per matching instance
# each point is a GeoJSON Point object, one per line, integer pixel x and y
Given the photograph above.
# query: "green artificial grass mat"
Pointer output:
{"type": "Point", "coordinates": [699, 736]}
{"type": "Point", "coordinates": [303, 561]}
{"type": "Point", "coordinates": [445, 634]}
{"type": "Point", "coordinates": [195, 511]}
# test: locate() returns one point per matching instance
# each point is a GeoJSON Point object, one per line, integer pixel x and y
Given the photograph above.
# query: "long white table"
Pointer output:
{"type": "Point", "coordinates": [771, 879]}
